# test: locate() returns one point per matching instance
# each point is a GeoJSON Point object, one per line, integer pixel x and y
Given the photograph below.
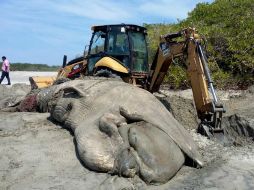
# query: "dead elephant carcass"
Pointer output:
{"type": "Point", "coordinates": [121, 129]}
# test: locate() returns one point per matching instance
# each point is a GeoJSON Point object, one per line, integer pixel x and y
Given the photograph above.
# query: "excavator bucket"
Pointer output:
{"type": "Point", "coordinates": [41, 81]}
{"type": "Point", "coordinates": [218, 134]}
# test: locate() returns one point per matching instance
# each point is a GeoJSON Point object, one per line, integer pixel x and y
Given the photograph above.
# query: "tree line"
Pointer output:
{"type": "Point", "coordinates": [32, 67]}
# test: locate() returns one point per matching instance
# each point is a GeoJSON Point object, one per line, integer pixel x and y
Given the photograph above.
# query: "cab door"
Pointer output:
{"type": "Point", "coordinates": [139, 53]}
{"type": "Point", "coordinates": [96, 50]}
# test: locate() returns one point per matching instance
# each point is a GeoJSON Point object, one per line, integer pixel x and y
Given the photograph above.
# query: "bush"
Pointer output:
{"type": "Point", "coordinates": [228, 26]}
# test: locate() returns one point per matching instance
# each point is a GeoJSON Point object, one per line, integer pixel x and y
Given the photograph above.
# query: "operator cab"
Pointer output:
{"type": "Point", "coordinates": [124, 43]}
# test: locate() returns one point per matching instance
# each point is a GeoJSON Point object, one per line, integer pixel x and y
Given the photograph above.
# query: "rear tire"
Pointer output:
{"type": "Point", "coordinates": [106, 73]}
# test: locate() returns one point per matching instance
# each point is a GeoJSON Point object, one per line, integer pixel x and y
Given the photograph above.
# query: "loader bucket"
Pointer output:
{"type": "Point", "coordinates": [41, 82]}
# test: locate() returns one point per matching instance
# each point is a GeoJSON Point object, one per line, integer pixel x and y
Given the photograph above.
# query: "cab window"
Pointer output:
{"type": "Point", "coordinates": [139, 49]}
{"type": "Point", "coordinates": [118, 43]}
{"type": "Point", "coordinates": [98, 43]}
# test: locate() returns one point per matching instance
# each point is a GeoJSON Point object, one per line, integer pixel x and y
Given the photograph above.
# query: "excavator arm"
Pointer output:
{"type": "Point", "coordinates": [208, 108]}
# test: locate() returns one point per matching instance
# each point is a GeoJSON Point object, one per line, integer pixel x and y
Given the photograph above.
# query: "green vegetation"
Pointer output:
{"type": "Point", "coordinates": [228, 26]}
{"type": "Point", "coordinates": [32, 67]}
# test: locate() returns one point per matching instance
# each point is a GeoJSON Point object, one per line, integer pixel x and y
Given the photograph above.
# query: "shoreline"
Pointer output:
{"type": "Point", "coordinates": [23, 76]}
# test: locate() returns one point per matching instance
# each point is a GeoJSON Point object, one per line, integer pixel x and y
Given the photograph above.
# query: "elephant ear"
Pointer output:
{"type": "Point", "coordinates": [72, 92]}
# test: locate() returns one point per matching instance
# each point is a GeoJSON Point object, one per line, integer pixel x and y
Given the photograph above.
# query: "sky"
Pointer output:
{"type": "Point", "coordinates": [42, 31]}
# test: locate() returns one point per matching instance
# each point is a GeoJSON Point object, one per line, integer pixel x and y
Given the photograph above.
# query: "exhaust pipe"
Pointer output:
{"type": "Point", "coordinates": [64, 61]}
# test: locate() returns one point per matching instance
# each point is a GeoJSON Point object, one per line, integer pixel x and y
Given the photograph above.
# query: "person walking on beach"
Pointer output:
{"type": "Point", "coordinates": [5, 70]}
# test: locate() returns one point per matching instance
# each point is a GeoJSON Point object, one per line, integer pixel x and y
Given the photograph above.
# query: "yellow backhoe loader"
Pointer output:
{"type": "Point", "coordinates": [121, 51]}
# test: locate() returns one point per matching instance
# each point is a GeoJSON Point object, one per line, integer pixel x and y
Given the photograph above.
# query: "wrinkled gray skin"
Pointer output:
{"type": "Point", "coordinates": [120, 128]}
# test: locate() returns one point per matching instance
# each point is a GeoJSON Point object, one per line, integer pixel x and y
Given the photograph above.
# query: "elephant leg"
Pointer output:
{"type": "Point", "coordinates": [99, 142]}
{"type": "Point", "coordinates": [125, 163]}
{"type": "Point", "coordinates": [130, 117]}
{"type": "Point", "coordinates": [116, 127]}
{"type": "Point", "coordinates": [109, 124]}
{"type": "Point", "coordinates": [157, 155]}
